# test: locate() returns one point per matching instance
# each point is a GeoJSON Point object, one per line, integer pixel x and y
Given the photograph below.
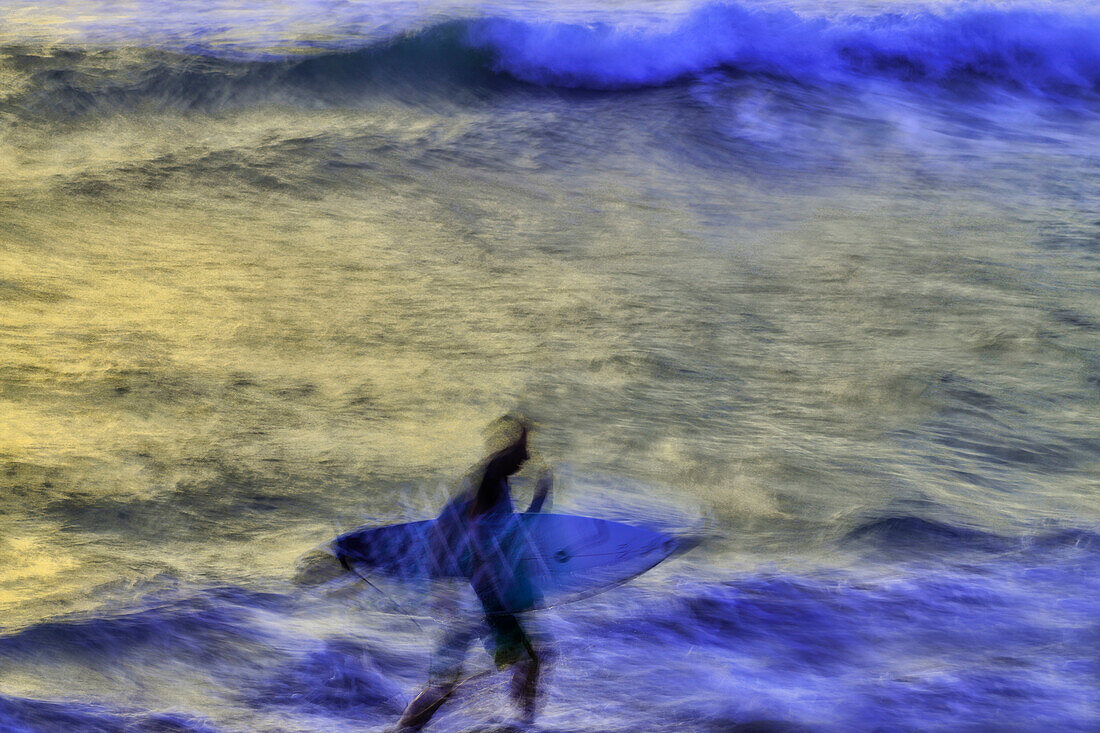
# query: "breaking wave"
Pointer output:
{"type": "Point", "coordinates": [1028, 51]}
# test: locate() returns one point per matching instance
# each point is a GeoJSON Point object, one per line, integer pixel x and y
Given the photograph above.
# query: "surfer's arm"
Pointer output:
{"type": "Point", "coordinates": [542, 492]}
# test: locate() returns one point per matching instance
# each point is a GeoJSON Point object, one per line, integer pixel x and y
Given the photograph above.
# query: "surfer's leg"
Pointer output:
{"type": "Point", "coordinates": [525, 682]}
{"type": "Point", "coordinates": [444, 673]}
{"type": "Point", "coordinates": [515, 647]}
{"type": "Point", "coordinates": [423, 707]}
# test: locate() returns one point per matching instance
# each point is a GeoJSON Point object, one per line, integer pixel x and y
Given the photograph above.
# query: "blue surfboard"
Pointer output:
{"type": "Point", "coordinates": [550, 558]}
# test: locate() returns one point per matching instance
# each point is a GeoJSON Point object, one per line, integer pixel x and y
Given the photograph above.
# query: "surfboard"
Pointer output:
{"type": "Point", "coordinates": [529, 560]}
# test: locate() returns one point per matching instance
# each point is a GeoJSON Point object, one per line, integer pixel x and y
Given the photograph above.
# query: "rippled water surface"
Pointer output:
{"type": "Point", "coordinates": [818, 280]}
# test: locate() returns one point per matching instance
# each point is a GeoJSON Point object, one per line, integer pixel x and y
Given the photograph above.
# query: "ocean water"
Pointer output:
{"type": "Point", "coordinates": [818, 281]}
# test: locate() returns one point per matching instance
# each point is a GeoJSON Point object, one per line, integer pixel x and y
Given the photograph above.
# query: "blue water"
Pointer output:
{"type": "Point", "coordinates": [817, 283]}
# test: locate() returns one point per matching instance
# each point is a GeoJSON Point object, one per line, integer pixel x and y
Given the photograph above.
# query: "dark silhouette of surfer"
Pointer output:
{"type": "Point", "coordinates": [479, 521]}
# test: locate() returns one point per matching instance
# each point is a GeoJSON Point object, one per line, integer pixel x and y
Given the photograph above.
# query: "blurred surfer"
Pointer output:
{"type": "Point", "coordinates": [480, 522]}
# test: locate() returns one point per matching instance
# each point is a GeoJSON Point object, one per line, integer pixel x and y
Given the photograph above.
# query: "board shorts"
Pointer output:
{"type": "Point", "coordinates": [509, 641]}
{"type": "Point", "coordinates": [504, 638]}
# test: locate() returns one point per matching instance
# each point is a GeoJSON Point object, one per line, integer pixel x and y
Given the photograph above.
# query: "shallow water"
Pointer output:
{"type": "Point", "coordinates": [818, 281]}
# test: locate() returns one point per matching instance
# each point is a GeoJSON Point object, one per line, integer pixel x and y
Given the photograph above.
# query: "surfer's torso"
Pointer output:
{"type": "Point", "coordinates": [483, 515]}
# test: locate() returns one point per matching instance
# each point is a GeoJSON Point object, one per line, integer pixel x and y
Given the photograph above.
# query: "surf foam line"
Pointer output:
{"type": "Point", "coordinates": [1036, 49]}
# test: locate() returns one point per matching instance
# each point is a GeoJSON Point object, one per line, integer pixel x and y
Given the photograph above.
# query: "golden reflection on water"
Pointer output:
{"type": "Point", "coordinates": [36, 572]}
{"type": "Point", "coordinates": [147, 327]}
{"type": "Point", "coordinates": [30, 556]}
{"type": "Point", "coordinates": [194, 302]}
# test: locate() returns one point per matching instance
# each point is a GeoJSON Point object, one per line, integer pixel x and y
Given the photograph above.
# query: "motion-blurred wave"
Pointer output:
{"type": "Point", "coordinates": [1028, 51]}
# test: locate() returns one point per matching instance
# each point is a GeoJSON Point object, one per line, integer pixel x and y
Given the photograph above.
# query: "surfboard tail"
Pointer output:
{"type": "Point", "coordinates": [316, 568]}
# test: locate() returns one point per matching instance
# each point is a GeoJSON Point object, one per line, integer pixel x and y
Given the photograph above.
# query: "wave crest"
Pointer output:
{"type": "Point", "coordinates": [1034, 49]}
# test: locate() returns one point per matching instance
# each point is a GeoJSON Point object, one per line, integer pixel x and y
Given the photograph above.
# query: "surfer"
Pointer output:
{"type": "Point", "coordinates": [481, 512]}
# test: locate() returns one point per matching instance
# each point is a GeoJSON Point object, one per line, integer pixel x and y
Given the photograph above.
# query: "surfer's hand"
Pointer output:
{"type": "Point", "coordinates": [543, 487]}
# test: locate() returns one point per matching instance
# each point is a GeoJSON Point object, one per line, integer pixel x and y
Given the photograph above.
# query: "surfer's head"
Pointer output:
{"type": "Point", "coordinates": [506, 440]}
